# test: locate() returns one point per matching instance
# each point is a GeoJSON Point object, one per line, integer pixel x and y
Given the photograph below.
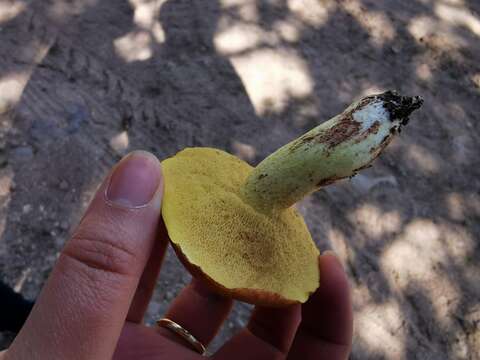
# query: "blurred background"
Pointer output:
{"type": "Point", "coordinates": [82, 82]}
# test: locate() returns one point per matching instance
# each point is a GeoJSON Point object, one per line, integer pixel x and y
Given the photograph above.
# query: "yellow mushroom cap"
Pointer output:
{"type": "Point", "coordinates": [266, 259]}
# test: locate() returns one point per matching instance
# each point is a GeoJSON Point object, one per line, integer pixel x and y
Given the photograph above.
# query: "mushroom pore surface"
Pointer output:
{"type": "Point", "coordinates": [268, 259]}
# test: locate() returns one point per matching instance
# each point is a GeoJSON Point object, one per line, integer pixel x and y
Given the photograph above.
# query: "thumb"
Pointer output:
{"type": "Point", "coordinates": [82, 308]}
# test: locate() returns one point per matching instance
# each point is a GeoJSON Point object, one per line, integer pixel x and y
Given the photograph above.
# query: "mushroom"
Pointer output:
{"type": "Point", "coordinates": [235, 226]}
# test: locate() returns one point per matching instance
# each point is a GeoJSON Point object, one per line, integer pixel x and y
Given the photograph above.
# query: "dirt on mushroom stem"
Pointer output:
{"type": "Point", "coordinates": [334, 150]}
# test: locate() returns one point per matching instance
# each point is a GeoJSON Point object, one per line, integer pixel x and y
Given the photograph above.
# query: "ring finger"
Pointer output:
{"type": "Point", "coordinates": [198, 310]}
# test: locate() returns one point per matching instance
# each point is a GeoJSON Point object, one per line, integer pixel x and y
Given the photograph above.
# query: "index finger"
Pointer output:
{"type": "Point", "coordinates": [82, 308]}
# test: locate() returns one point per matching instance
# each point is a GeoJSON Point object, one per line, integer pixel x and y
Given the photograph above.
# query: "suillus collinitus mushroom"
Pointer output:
{"type": "Point", "coordinates": [235, 226]}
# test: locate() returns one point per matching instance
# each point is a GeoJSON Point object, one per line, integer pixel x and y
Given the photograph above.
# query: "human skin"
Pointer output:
{"type": "Point", "coordinates": [95, 298]}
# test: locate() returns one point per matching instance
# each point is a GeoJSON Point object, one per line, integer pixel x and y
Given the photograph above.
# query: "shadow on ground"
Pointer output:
{"type": "Point", "coordinates": [82, 82]}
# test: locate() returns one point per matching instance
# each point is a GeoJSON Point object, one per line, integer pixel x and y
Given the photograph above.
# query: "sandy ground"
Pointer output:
{"type": "Point", "coordinates": [84, 81]}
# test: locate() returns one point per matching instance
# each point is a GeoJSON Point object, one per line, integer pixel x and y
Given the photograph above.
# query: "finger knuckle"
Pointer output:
{"type": "Point", "coordinates": [101, 254]}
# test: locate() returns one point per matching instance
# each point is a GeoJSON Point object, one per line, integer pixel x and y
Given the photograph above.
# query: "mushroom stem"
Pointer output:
{"type": "Point", "coordinates": [336, 149]}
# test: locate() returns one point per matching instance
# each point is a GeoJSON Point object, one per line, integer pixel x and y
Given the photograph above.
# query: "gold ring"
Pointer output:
{"type": "Point", "coordinates": [183, 333]}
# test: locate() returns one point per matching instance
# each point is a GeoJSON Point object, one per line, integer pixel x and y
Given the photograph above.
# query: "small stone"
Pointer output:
{"type": "Point", "coordinates": [26, 208]}
{"type": "Point", "coordinates": [169, 295]}
{"type": "Point", "coordinates": [64, 225]}
{"type": "Point", "coordinates": [120, 143]}
{"type": "Point", "coordinates": [41, 208]}
{"type": "Point", "coordinates": [395, 49]}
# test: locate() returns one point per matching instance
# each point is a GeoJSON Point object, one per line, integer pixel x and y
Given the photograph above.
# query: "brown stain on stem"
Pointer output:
{"type": "Point", "coordinates": [372, 130]}
{"type": "Point", "coordinates": [345, 129]}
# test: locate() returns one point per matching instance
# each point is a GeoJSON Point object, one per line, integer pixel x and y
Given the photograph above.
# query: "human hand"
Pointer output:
{"type": "Point", "coordinates": [94, 301]}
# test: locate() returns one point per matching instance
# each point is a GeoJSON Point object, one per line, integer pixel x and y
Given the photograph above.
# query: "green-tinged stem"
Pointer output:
{"type": "Point", "coordinates": [334, 150]}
